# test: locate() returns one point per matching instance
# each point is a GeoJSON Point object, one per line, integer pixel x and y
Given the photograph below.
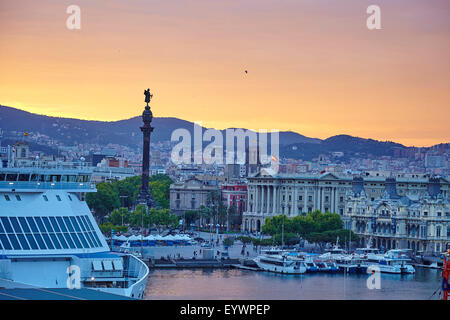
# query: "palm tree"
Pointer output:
{"type": "Point", "coordinates": [204, 213]}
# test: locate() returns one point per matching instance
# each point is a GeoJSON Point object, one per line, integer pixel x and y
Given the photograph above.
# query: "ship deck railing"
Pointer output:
{"type": "Point", "coordinates": [30, 185]}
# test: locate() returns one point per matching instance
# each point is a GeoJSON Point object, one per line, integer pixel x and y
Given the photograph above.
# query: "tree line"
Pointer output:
{"type": "Point", "coordinates": [315, 227]}
{"type": "Point", "coordinates": [113, 204]}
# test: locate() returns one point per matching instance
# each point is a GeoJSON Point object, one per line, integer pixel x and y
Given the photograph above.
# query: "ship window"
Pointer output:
{"type": "Point", "coordinates": [47, 224]}
{"type": "Point", "coordinates": [14, 241]}
{"type": "Point", "coordinates": [97, 265]}
{"type": "Point", "coordinates": [62, 240]}
{"type": "Point", "coordinates": [69, 240]}
{"type": "Point", "coordinates": [24, 225]}
{"type": "Point", "coordinates": [55, 241]}
{"type": "Point", "coordinates": [45, 197]}
{"type": "Point", "coordinates": [80, 223]}
{"type": "Point", "coordinates": [90, 240]}
{"type": "Point", "coordinates": [18, 198]}
{"type": "Point", "coordinates": [7, 198]}
{"type": "Point", "coordinates": [40, 224]}
{"type": "Point", "coordinates": [31, 241]}
{"type": "Point", "coordinates": [75, 224]}
{"type": "Point", "coordinates": [32, 224]}
{"type": "Point", "coordinates": [55, 224]}
{"type": "Point", "coordinates": [6, 224]}
{"type": "Point", "coordinates": [89, 222]}
{"type": "Point", "coordinates": [47, 241]}
{"type": "Point", "coordinates": [61, 224]}
{"type": "Point", "coordinates": [40, 241]}
{"type": "Point", "coordinates": [5, 242]}
{"type": "Point", "coordinates": [118, 265]}
{"type": "Point", "coordinates": [23, 242]}
{"type": "Point", "coordinates": [2, 176]}
{"type": "Point", "coordinates": [107, 264]}
{"type": "Point", "coordinates": [76, 240]}
{"type": "Point", "coordinates": [11, 177]}
{"type": "Point", "coordinates": [15, 224]}
{"type": "Point", "coordinates": [1, 228]}
{"type": "Point", "coordinates": [58, 197]}
{"type": "Point", "coordinates": [70, 198]}
{"type": "Point", "coordinates": [24, 177]}
{"type": "Point", "coordinates": [85, 219]}
{"type": "Point", "coordinates": [68, 224]}
{"type": "Point", "coordinates": [83, 240]}
{"type": "Point", "coordinates": [99, 244]}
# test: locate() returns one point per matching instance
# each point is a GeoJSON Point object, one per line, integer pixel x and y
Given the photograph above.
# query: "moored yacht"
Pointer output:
{"type": "Point", "coordinates": [280, 263]}
{"type": "Point", "coordinates": [49, 238]}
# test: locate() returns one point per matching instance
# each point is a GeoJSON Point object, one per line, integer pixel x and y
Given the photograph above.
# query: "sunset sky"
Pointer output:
{"type": "Point", "coordinates": [313, 65]}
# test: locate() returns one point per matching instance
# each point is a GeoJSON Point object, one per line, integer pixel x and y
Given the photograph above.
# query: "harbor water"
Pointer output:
{"type": "Point", "coordinates": [235, 284]}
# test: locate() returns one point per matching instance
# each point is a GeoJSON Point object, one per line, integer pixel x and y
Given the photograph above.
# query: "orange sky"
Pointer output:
{"type": "Point", "coordinates": [313, 66]}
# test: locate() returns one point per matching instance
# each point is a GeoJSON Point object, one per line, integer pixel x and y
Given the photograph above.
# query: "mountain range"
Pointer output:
{"type": "Point", "coordinates": [126, 132]}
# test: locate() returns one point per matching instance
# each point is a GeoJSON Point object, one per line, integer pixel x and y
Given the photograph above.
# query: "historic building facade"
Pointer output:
{"type": "Point", "coordinates": [234, 195]}
{"type": "Point", "coordinates": [272, 194]}
{"type": "Point", "coordinates": [190, 194]}
{"type": "Point", "coordinates": [417, 222]}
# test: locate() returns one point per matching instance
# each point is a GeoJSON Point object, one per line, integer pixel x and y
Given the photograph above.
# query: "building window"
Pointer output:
{"type": "Point", "coordinates": [439, 214]}
{"type": "Point", "coordinates": [178, 196]}
{"type": "Point", "coordinates": [438, 231]}
{"type": "Point", "coordinates": [310, 198]}
{"type": "Point", "coordinates": [425, 213]}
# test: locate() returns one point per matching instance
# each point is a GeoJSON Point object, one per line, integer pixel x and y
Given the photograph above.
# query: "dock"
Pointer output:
{"type": "Point", "coordinates": [190, 263]}
{"type": "Point", "coordinates": [242, 267]}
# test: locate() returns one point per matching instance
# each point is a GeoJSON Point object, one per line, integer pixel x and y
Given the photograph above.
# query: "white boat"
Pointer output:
{"type": "Point", "coordinates": [280, 263]}
{"type": "Point", "coordinates": [307, 260]}
{"type": "Point", "coordinates": [49, 237]}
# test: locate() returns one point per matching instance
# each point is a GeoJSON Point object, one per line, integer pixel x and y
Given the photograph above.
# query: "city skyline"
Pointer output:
{"type": "Point", "coordinates": [313, 67]}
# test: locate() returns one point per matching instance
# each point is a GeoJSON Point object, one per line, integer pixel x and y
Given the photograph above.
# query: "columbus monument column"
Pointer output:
{"type": "Point", "coordinates": [145, 196]}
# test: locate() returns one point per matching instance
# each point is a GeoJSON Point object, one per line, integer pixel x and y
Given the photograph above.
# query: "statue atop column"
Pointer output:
{"type": "Point", "coordinates": [148, 96]}
{"type": "Point", "coordinates": [145, 196]}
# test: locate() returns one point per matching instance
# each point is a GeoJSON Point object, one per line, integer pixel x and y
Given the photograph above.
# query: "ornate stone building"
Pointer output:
{"type": "Point", "coordinates": [272, 194]}
{"type": "Point", "coordinates": [190, 194]}
{"type": "Point", "coordinates": [417, 222]}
